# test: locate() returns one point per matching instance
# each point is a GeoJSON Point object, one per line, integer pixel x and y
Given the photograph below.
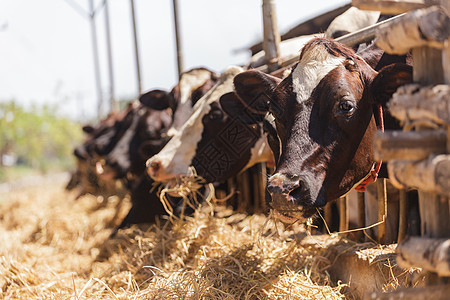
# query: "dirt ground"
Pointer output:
{"type": "Point", "coordinates": [55, 247]}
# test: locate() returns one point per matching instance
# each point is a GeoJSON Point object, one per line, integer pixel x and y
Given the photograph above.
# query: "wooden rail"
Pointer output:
{"type": "Point", "coordinates": [393, 7]}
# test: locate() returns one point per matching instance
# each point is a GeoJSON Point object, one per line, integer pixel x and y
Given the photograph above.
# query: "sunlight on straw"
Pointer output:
{"type": "Point", "coordinates": [325, 222]}
{"type": "Point", "coordinates": [350, 230]}
{"type": "Point", "coordinates": [107, 287]}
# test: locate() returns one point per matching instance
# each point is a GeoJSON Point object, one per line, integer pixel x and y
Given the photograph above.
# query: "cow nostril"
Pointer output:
{"type": "Point", "coordinates": [273, 188]}
{"type": "Point", "coordinates": [154, 166]}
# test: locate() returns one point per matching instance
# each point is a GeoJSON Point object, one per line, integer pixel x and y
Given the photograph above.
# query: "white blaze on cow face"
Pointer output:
{"type": "Point", "coordinates": [189, 82]}
{"type": "Point", "coordinates": [176, 157]}
{"type": "Point", "coordinates": [314, 65]}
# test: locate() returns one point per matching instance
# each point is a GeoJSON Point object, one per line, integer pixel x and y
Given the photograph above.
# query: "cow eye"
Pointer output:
{"type": "Point", "coordinates": [215, 114]}
{"type": "Point", "coordinates": [346, 107]}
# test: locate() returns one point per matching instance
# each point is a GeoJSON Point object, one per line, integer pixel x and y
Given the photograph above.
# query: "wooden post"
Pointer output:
{"type": "Point", "coordinates": [98, 82]}
{"type": "Point", "coordinates": [136, 48]}
{"type": "Point", "coordinates": [231, 188]}
{"type": "Point", "coordinates": [343, 214]}
{"type": "Point", "coordinates": [432, 254]}
{"type": "Point", "coordinates": [328, 215]}
{"type": "Point", "coordinates": [403, 215]}
{"type": "Point", "coordinates": [113, 103]}
{"type": "Point", "coordinates": [244, 193]}
{"type": "Point", "coordinates": [392, 7]}
{"type": "Point", "coordinates": [256, 180]}
{"type": "Point", "coordinates": [271, 36]}
{"type": "Point", "coordinates": [435, 292]}
{"type": "Point", "coordinates": [361, 215]}
{"type": "Point", "coordinates": [409, 145]}
{"type": "Point", "coordinates": [261, 187]}
{"type": "Point", "coordinates": [177, 39]}
{"type": "Point", "coordinates": [382, 209]}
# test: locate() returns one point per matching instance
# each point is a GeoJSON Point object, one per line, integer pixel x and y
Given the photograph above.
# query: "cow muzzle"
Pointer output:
{"type": "Point", "coordinates": [290, 198]}
{"type": "Point", "coordinates": [157, 170]}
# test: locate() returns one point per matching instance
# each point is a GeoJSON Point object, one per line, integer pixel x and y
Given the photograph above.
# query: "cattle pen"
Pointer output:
{"type": "Point", "coordinates": [365, 245]}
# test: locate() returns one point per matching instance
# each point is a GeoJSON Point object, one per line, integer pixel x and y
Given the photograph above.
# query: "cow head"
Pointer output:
{"type": "Point", "coordinates": [144, 134]}
{"type": "Point", "coordinates": [216, 145]}
{"type": "Point", "coordinates": [324, 122]}
{"type": "Point", "coordinates": [193, 84]}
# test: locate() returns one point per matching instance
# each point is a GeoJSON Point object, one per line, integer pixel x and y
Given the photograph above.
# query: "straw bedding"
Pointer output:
{"type": "Point", "coordinates": [53, 247]}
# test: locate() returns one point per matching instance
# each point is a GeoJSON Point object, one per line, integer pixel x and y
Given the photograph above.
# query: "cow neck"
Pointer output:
{"type": "Point", "coordinates": [373, 174]}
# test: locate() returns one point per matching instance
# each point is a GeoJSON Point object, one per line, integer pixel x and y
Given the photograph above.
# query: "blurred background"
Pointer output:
{"type": "Point", "coordinates": [49, 50]}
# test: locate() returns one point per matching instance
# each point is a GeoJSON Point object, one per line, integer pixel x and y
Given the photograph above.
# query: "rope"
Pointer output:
{"type": "Point", "coordinates": [373, 175]}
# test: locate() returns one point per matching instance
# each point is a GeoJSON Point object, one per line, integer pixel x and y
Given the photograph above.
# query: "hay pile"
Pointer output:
{"type": "Point", "coordinates": [53, 247]}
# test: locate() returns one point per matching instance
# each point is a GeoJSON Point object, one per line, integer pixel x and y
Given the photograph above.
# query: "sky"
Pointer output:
{"type": "Point", "coordinates": [46, 52]}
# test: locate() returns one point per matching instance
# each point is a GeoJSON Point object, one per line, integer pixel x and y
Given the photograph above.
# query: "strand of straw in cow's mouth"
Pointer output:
{"type": "Point", "coordinates": [188, 187]}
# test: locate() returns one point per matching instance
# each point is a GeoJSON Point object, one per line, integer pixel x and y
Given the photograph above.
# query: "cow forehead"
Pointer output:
{"type": "Point", "coordinates": [314, 65]}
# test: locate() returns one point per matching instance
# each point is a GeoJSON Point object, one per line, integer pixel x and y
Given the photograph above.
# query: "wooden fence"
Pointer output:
{"type": "Point", "coordinates": [419, 155]}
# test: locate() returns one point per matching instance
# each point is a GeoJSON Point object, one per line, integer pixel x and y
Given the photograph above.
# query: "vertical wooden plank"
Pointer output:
{"type": "Point", "coordinates": [428, 66]}
{"type": "Point", "coordinates": [231, 188]}
{"type": "Point", "coordinates": [403, 215]}
{"type": "Point", "coordinates": [328, 215]}
{"type": "Point", "coordinates": [255, 185]}
{"type": "Point", "coordinates": [343, 214]}
{"type": "Point", "coordinates": [244, 196]}
{"type": "Point", "coordinates": [271, 35]}
{"type": "Point", "coordinates": [382, 209]}
{"type": "Point", "coordinates": [361, 215]}
{"type": "Point", "coordinates": [434, 211]}
{"type": "Point", "coordinates": [262, 187]}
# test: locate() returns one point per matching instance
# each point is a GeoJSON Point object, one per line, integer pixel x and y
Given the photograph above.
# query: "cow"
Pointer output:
{"type": "Point", "coordinates": [143, 133]}
{"type": "Point", "coordinates": [325, 119]}
{"type": "Point", "coordinates": [85, 177]}
{"type": "Point", "coordinates": [147, 131]}
{"type": "Point", "coordinates": [193, 84]}
{"type": "Point", "coordinates": [217, 146]}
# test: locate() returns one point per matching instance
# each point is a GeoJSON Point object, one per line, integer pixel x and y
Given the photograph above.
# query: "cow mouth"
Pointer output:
{"type": "Point", "coordinates": [291, 217]}
{"type": "Point", "coordinates": [183, 186]}
{"type": "Point", "coordinates": [285, 218]}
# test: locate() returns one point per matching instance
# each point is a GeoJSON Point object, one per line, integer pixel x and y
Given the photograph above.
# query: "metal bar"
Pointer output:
{"type": "Point", "coordinates": [177, 39]}
{"type": "Point", "coordinates": [98, 82]}
{"type": "Point", "coordinates": [110, 62]}
{"type": "Point", "coordinates": [136, 48]}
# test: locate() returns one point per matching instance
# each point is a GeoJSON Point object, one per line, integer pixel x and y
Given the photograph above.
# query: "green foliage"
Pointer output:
{"type": "Point", "coordinates": [38, 137]}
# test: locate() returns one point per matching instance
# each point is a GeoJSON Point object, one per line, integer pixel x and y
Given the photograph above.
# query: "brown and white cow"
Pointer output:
{"type": "Point", "coordinates": [217, 146]}
{"type": "Point", "coordinates": [324, 116]}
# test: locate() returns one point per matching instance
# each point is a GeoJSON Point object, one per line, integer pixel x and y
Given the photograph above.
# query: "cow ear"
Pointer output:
{"type": "Point", "coordinates": [254, 88]}
{"type": "Point", "coordinates": [234, 107]}
{"type": "Point", "coordinates": [388, 80]}
{"type": "Point", "coordinates": [88, 129]}
{"type": "Point", "coordinates": [156, 99]}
